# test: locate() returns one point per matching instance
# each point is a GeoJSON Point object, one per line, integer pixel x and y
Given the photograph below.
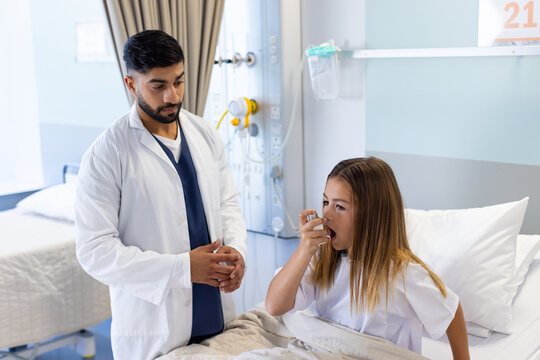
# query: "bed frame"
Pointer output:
{"type": "Point", "coordinates": [82, 341]}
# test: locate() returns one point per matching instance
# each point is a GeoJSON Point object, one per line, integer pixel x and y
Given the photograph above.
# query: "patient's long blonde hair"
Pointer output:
{"type": "Point", "coordinates": [380, 250]}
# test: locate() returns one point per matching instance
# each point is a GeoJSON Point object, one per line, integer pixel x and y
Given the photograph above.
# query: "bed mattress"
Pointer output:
{"type": "Point", "coordinates": [522, 344]}
{"type": "Point", "coordinates": [43, 290]}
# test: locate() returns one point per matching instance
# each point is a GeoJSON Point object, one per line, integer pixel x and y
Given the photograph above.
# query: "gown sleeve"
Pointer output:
{"type": "Point", "coordinates": [433, 309]}
{"type": "Point", "coordinates": [306, 292]}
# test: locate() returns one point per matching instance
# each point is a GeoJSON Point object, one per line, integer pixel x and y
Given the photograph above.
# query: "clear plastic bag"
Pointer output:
{"type": "Point", "coordinates": [324, 71]}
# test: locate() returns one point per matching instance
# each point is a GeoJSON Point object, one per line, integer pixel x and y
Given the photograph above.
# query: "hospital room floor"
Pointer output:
{"type": "Point", "coordinates": [103, 346]}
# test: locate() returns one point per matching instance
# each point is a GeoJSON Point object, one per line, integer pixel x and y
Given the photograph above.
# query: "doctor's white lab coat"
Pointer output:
{"type": "Point", "coordinates": [132, 231]}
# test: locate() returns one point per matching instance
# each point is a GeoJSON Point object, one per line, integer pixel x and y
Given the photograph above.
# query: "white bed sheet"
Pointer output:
{"type": "Point", "coordinates": [522, 344]}
{"type": "Point", "coordinates": [43, 290]}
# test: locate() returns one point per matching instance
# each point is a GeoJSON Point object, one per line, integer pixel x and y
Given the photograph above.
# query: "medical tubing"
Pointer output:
{"type": "Point", "coordinates": [219, 122]}
{"type": "Point", "coordinates": [229, 142]}
{"type": "Point", "coordinates": [289, 219]}
{"type": "Point", "coordinates": [293, 118]}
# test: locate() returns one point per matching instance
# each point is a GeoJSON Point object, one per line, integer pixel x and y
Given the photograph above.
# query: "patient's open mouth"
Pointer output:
{"type": "Point", "coordinates": [332, 234]}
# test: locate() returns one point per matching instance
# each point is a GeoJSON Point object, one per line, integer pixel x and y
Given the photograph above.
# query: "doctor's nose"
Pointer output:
{"type": "Point", "coordinates": [172, 96]}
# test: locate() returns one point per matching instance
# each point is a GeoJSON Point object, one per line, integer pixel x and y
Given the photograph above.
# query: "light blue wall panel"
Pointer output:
{"type": "Point", "coordinates": [477, 108]}
{"type": "Point", "coordinates": [71, 92]}
{"type": "Point", "coordinates": [469, 108]}
{"type": "Point", "coordinates": [62, 144]}
{"type": "Point", "coordinates": [394, 24]}
{"type": "Point", "coordinates": [77, 100]}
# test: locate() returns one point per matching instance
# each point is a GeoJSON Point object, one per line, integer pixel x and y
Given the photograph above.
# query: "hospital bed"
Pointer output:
{"type": "Point", "coordinates": [497, 272]}
{"type": "Point", "coordinates": [46, 299]}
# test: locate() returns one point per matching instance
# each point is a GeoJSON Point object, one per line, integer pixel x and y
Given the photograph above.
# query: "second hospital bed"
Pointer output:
{"type": "Point", "coordinates": [44, 292]}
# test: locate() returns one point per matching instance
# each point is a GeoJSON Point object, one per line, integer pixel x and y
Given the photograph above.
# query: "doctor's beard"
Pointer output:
{"type": "Point", "coordinates": [154, 114]}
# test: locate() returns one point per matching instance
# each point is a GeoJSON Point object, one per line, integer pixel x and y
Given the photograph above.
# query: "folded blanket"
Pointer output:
{"type": "Point", "coordinates": [258, 335]}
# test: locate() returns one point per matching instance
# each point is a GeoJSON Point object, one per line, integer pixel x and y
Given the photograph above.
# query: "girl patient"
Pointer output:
{"type": "Point", "coordinates": [364, 274]}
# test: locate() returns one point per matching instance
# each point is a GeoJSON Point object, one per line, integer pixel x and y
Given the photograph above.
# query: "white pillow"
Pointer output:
{"type": "Point", "coordinates": [474, 253]}
{"type": "Point", "coordinates": [527, 247]}
{"type": "Point", "coordinates": [55, 202]}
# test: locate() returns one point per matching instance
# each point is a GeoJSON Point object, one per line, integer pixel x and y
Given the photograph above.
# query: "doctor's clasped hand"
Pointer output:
{"type": "Point", "coordinates": [236, 276]}
{"type": "Point", "coordinates": [207, 267]}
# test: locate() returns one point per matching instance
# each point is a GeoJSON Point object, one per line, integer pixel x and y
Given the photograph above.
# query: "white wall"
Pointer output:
{"type": "Point", "coordinates": [332, 130]}
{"type": "Point", "coordinates": [20, 155]}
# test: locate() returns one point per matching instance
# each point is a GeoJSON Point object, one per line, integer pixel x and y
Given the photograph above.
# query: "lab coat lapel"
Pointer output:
{"type": "Point", "coordinates": [194, 139]}
{"type": "Point", "coordinates": [147, 139]}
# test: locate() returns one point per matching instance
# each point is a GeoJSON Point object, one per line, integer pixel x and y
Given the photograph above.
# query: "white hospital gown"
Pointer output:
{"type": "Point", "coordinates": [422, 305]}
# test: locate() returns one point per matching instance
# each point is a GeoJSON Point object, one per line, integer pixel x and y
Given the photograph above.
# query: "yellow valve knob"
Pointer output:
{"type": "Point", "coordinates": [253, 105]}
{"type": "Point", "coordinates": [235, 122]}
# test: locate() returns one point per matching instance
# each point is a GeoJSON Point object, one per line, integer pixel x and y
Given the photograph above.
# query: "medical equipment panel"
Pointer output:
{"type": "Point", "coordinates": [256, 80]}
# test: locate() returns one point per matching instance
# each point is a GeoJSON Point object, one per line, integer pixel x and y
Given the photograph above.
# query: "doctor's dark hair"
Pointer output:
{"type": "Point", "coordinates": [151, 48]}
{"type": "Point", "coordinates": [380, 250]}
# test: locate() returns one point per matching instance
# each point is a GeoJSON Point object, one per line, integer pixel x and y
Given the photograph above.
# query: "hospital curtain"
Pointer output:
{"type": "Point", "coordinates": [194, 23]}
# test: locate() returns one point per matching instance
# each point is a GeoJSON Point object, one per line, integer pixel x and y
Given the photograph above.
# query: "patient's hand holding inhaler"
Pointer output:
{"type": "Point", "coordinates": [315, 216]}
{"type": "Point", "coordinates": [316, 227]}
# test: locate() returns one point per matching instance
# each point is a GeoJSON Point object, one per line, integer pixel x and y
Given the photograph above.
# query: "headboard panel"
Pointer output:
{"type": "Point", "coordinates": [69, 169]}
{"type": "Point", "coordinates": [428, 182]}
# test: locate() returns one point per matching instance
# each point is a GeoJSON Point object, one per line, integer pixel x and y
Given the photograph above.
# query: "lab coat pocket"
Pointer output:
{"type": "Point", "coordinates": [133, 316]}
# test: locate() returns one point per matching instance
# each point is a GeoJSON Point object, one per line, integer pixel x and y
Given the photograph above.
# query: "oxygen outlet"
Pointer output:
{"type": "Point", "coordinates": [241, 108]}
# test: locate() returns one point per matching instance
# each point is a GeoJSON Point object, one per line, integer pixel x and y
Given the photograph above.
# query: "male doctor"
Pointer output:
{"type": "Point", "coordinates": [156, 214]}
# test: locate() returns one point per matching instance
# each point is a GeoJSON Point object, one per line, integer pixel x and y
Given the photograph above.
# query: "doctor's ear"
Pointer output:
{"type": "Point", "coordinates": [130, 83]}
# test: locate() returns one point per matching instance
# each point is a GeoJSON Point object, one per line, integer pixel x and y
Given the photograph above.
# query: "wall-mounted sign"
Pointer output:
{"type": "Point", "coordinates": [93, 44]}
{"type": "Point", "coordinates": [505, 22]}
